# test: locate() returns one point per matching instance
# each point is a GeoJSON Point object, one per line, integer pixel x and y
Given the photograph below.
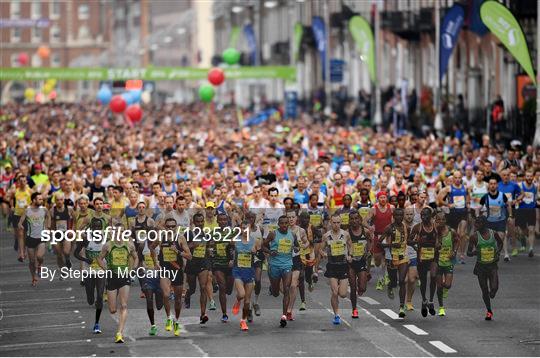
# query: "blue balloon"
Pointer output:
{"type": "Point", "coordinates": [128, 97]}
{"type": "Point", "coordinates": [136, 94]}
{"type": "Point", "coordinates": [104, 95]}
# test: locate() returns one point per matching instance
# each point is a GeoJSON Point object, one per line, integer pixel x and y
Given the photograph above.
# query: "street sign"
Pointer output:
{"type": "Point", "coordinates": [336, 70]}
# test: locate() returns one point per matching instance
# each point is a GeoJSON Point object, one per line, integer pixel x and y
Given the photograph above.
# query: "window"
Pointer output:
{"type": "Point", "coordinates": [15, 10]}
{"type": "Point", "coordinates": [55, 60]}
{"type": "Point", "coordinates": [84, 33]}
{"type": "Point", "coordinates": [83, 12]}
{"type": "Point", "coordinates": [55, 9]}
{"type": "Point", "coordinates": [15, 34]}
{"type": "Point", "coordinates": [55, 34]}
{"type": "Point", "coordinates": [36, 34]}
{"type": "Point", "coordinates": [35, 10]}
{"type": "Point", "coordinates": [15, 60]}
{"type": "Point", "coordinates": [36, 60]}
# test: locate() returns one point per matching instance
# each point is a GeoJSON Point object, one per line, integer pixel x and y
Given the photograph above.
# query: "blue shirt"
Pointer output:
{"type": "Point", "coordinates": [511, 190]}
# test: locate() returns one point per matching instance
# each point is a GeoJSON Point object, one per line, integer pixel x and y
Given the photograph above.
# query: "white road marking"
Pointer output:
{"type": "Point", "coordinates": [39, 300]}
{"type": "Point", "coordinates": [443, 347]}
{"type": "Point", "coordinates": [21, 345]}
{"type": "Point", "coordinates": [369, 300]}
{"type": "Point", "coordinates": [415, 330]}
{"type": "Point", "coordinates": [38, 290]}
{"type": "Point", "coordinates": [39, 328]}
{"type": "Point", "coordinates": [41, 314]}
{"type": "Point", "coordinates": [390, 313]}
{"type": "Point", "coordinates": [375, 318]}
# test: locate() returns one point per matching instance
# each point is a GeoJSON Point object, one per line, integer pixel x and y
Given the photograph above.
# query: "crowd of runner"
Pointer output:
{"type": "Point", "coordinates": [308, 200]}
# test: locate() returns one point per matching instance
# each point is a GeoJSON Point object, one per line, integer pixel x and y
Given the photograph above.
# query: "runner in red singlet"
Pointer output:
{"type": "Point", "coordinates": [381, 217]}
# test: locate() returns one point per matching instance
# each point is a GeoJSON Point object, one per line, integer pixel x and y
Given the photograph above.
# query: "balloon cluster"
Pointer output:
{"type": "Point", "coordinates": [24, 58]}
{"type": "Point", "coordinates": [47, 91]}
{"type": "Point", "coordinates": [216, 76]}
{"type": "Point", "coordinates": [127, 102]}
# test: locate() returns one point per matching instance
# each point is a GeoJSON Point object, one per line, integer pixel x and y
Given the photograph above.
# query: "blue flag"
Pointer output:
{"type": "Point", "coordinates": [450, 28]}
{"type": "Point", "coordinates": [252, 43]}
{"type": "Point", "coordinates": [320, 36]}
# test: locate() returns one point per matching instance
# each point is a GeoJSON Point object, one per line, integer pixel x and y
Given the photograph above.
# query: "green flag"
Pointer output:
{"type": "Point", "coordinates": [363, 36]}
{"type": "Point", "coordinates": [235, 32]}
{"type": "Point", "coordinates": [500, 21]}
{"type": "Point", "coordinates": [298, 31]}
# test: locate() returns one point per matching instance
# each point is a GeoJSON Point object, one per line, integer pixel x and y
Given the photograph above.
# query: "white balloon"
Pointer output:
{"type": "Point", "coordinates": [146, 97]}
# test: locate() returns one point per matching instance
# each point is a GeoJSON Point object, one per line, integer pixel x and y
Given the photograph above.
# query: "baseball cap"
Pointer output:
{"type": "Point", "coordinates": [210, 204]}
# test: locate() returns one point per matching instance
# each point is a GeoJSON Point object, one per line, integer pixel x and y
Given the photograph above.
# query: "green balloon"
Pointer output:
{"type": "Point", "coordinates": [206, 93]}
{"type": "Point", "coordinates": [231, 56]}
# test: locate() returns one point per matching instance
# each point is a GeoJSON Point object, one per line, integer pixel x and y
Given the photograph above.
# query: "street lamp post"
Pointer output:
{"type": "Point", "coordinates": [377, 118]}
{"type": "Point", "coordinates": [438, 124]}
{"type": "Point", "coordinates": [537, 132]}
{"type": "Point", "coordinates": [327, 88]}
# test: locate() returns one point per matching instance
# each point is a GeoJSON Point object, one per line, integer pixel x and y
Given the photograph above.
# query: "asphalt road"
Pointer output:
{"type": "Point", "coordinates": [54, 319]}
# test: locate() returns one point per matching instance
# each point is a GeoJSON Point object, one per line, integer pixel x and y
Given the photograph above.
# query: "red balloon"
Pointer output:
{"type": "Point", "coordinates": [118, 104]}
{"type": "Point", "coordinates": [216, 76]}
{"type": "Point", "coordinates": [134, 113]}
{"type": "Point", "coordinates": [52, 95]}
{"type": "Point", "coordinates": [23, 58]}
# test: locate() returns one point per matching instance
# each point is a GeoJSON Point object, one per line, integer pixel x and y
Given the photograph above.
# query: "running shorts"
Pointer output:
{"type": "Point", "coordinates": [358, 265]}
{"type": "Point", "coordinates": [297, 264]}
{"type": "Point", "coordinates": [525, 217]}
{"type": "Point", "coordinates": [336, 270]}
{"type": "Point", "coordinates": [244, 274]}
{"type": "Point", "coordinates": [151, 284]}
{"type": "Point", "coordinates": [31, 242]}
{"type": "Point", "coordinates": [277, 271]}
{"type": "Point", "coordinates": [115, 282]}
{"type": "Point", "coordinates": [484, 269]}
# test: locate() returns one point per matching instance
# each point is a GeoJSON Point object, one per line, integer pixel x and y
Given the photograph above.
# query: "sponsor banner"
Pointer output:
{"type": "Point", "coordinates": [153, 74]}
{"type": "Point", "coordinates": [363, 37]}
{"type": "Point", "coordinates": [450, 28]}
{"type": "Point", "coordinates": [39, 23]}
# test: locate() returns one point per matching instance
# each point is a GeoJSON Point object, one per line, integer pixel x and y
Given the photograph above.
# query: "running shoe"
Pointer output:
{"type": "Point", "coordinates": [337, 320]}
{"type": "Point", "coordinates": [315, 277]}
{"type": "Point", "coordinates": [153, 330]}
{"type": "Point", "coordinates": [302, 306]}
{"type": "Point", "coordinates": [442, 312]}
{"type": "Point", "coordinates": [514, 252]}
{"type": "Point", "coordinates": [176, 326]}
{"type": "Point", "coordinates": [418, 283]}
{"type": "Point", "coordinates": [212, 305]}
{"type": "Point", "coordinates": [215, 287]}
{"type": "Point", "coordinates": [445, 292]}
{"type": "Point", "coordinates": [97, 328]}
{"type": "Point", "coordinates": [283, 321]}
{"type": "Point", "coordinates": [168, 324]}
{"type": "Point", "coordinates": [379, 285]}
{"type": "Point", "coordinates": [236, 308]}
{"type": "Point", "coordinates": [409, 306]}
{"type": "Point", "coordinates": [531, 253]}
{"type": "Point", "coordinates": [224, 318]}
{"type": "Point", "coordinates": [68, 263]}
{"type": "Point", "coordinates": [187, 302]}
{"type": "Point", "coordinates": [355, 313]}
{"type": "Point", "coordinates": [290, 316]}
{"type": "Point", "coordinates": [204, 319]}
{"type": "Point", "coordinates": [431, 308]}
{"type": "Point", "coordinates": [250, 316]}
{"type": "Point", "coordinates": [310, 287]}
{"type": "Point", "coordinates": [424, 309]}
{"type": "Point", "coordinates": [118, 338]}
{"type": "Point", "coordinates": [390, 293]}
{"type": "Point", "coordinates": [401, 312]}
{"type": "Point", "coordinates": [105, 297]}
{"type": "Point", "coordinates": [243, 325]}
{"type": "Point", "coordinates": [489, 315]}
{"type": "Point", "coordinates": [257, 309]}
{"type": "Point", "coordinates": [506, 258]}
{"type": "Point", "coordinates": [522, 249]}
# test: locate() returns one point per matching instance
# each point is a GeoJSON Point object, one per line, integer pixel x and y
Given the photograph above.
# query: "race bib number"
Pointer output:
{"type": "Point", "coordinates": [487, 254]}
{"type": "Point", "coordinates": [94, 265]}
{"type": "Point", "coordinates": [244, 259]}
{"type": "Point", "coordinates": [358, 248]}
{"type": "Point", "coordinates": [148, 261]}
{"type": "Point", "coordinates": [120, 258]}
{"type": "Point", "coordinates": [427, 253]}
{"type": "Point", "coordinates": [444, 254]}
{"type": "Point", "coordinates": [398, 254]}
{"type": "Point", "coordinates": [459, 201]}
{"type": "Point", "coordinates": [508, 196]}
{"type": "Point", "coordinates": [304, 251]}
{"type": "Point", "coordinates": [363, 212]}
{"type": "Point", "coordinates": [495, 211]}
{"type": "Point", "coordinates": [285, 246]}
{"type": "Point", "coordinates": [200, 252]}
{"type": "Point", "coordinates": [221, 249]}
{"type": "Point", "coordinates": [21, 203]}
{"type": "Point", "coordinates": [344, 219]}
{"type": "Point", "coordinates": [337, 248]}
{"type": "Point", "coordinates": [61, 225]}
{"type": "Point", "coordinates": [169, 255]}
{"type": "Point", "coordinates": [528, 198]}
{"type": "Point", "coordinates": [315, 220]}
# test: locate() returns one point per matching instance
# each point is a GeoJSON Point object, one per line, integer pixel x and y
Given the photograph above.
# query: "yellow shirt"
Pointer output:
{"type": "Point", "coordinates": [22, 200]}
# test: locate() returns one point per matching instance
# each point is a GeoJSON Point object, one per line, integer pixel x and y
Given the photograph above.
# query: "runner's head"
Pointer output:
{"type": "Point", "coordinates": [382, 198]}
{"type": "Point", "coordinates": [98, 204]}
{"type": "Point", "coordinates": [59, 198]}
{"type": "Point", "coordinates": [222, 220]}
{"type": "Point", "coordinates": [283, 223]}
{"type": "Point", "coordinates": [479, 175]}
{"type": "Point", "coordinates": [529, 176]}
{"type": "Point", "coordinates": [141, 208]}
{"type": "Point", "coordinates": [398, 215]}
{"type": "Point", "coordinates": [355, 220]}
{"type": "Point", "coordinates": [303, 219]}
{"type": "Point", "coordinates": [347, 201]}
{"type": "Point", "coordinates": [440, 219]}
{"type": "Point", "coordinates": [480, 223]}
{"type": "Point", "coordinates": [288, 203]}
{"type": "Point", "coordinates": [169, 203]}
{"type": "Point", "coordinates": [82, 202]}
{"type": "Point", "coordinates": [180, 203]}
{"type": "Point", "coordinates": [408, 216]}
{"type": "Point", "coordinates": [37, 199]}
{"type": "Point", "coordinates": [364, 195]}
{"type": "Point", "coordinates": [273, 195]}
{"type": "Point", "coordinates": [313, 200]}
{"type": "Point", "coordinates": [198, 220]}
{"type": "Point", "coordinates": [426, 214]}
{"type": "Point", "coordinates": [335, 222]}
{"type": "Point", "coordinates": [493, 185]}
{"type": "Point", "coordinates": [291, 216]}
